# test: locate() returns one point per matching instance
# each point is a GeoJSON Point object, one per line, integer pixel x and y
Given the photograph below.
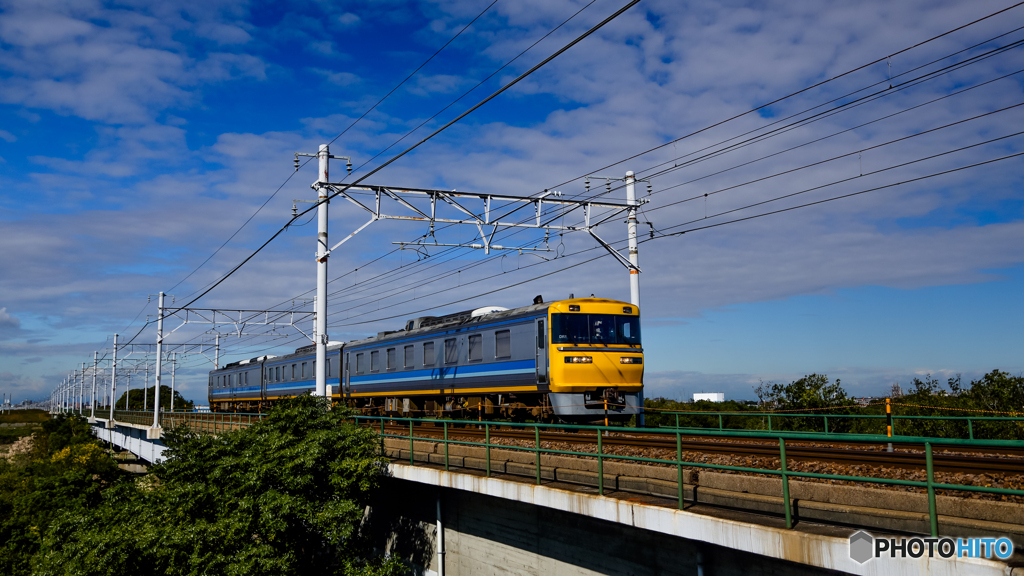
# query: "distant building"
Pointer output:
{"type": "Point", "coordinates": [709, 396]}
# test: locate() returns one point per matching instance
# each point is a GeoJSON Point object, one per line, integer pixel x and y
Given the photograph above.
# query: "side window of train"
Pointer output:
{"type": "Point", "coordinates": [428, 353]}
{"type": "Point", "coordinates": [476, 347]}
{"type": "Point", "coordinates": [277, 374]}
{"type": "Point", "coordinates": [503, 344]}
{"type": "Point", "coordinates": [408, 356]}
{"type": "Point", "coordinates": [303, 369]}
{"type": "Point", "coordinates": [392, 359]}
{"type": "Point", "coordinates": [293, 370]}
{"type": "Point", "coordinates": [246, 377]}
{"type": "Point", "coordinates": [329, 366]}
{"type": "Point", "coordinates": [360, 367]}
{"type": "Point", "coordinates": [451, 351]}
{"type": "Point", "coordinates": [375, 361]}
{"type": "Point", "coordinates": [541, 336]}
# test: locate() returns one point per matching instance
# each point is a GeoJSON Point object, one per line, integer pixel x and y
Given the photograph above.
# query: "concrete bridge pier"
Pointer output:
{"type": "Point", "coordinates": [492, 535]}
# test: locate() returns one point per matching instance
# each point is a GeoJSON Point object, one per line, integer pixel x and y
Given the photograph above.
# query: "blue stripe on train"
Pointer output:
{"type": "Point", "coordinates": [451, 373]}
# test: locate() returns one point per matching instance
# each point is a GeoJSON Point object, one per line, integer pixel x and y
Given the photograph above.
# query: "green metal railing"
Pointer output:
{"type": "Point", "coordinates": [825, 418]}
{"type": "Point", "coordinates": [199, 421]}
{"type": "Point", "coordinates": [218, 422]}
{"type": "Point", "coordinates": [930, 485]}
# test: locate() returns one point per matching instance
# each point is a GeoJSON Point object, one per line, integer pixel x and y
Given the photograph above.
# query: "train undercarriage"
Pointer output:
{"type": "Point", "coordinates": [580, 408]}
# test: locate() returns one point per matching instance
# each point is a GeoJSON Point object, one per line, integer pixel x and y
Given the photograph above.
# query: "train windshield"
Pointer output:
{"type": "Point", "coordinates": [595, 329]}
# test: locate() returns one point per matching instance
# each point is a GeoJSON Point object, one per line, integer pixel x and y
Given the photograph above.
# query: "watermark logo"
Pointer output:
{"type": "Point", "coordinates": [864, 547]}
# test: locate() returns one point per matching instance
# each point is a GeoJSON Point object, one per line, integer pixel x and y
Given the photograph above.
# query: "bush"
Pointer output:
{"type": "Point", "coordinates": [283, 496]}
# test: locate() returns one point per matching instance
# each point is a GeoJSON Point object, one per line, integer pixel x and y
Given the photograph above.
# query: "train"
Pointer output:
{"type": "Point", "coordinates": [574, 360]}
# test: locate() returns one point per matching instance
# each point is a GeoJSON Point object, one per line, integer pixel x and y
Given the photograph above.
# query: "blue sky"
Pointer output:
{"type": "Point", "coordinates": [135, 138]}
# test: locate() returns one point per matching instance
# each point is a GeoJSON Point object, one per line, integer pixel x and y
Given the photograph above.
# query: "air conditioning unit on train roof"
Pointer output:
{"type": "Point", "coordinates": [487, 310]}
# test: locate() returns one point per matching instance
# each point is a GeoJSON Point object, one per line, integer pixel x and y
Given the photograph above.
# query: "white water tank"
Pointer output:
{"type": "Point", "coordinates": [709, 396]}
{"type": "Point", "coordinates": [487, 310]}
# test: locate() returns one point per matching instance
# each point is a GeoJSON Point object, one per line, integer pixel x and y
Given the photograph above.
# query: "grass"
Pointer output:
{"type": "Point", "coordinates": [12, 435]}
{"type": "Point", "coordinates": [24, 416]}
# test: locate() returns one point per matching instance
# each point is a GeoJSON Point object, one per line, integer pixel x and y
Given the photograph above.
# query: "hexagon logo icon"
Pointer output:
{"type": "Point", "coordinates": [861, 545]}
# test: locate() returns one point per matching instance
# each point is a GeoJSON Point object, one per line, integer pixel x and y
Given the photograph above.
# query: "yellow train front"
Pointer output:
{"type": "Point", "coordinates": [595, 359]}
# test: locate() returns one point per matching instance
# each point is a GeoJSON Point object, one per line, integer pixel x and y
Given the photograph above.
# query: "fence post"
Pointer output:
{"type": "Point", "coordinates": [785, 482]}
{"type": "Point", "coordinates": [487, 447]}
{"type": "Point", "coordinates": [536, 435]}
{"type": "Point", "coordinates": [826, 424]}
{"type": "Point", "coordinates": [769, 422]}
{"type": "Point", "coordinates": [412, 447]}
{"type": "Point", "coordinates": [932, 513]}
{"type": "Point", "coordinates": [970, 428]}
{"type": "Point", "coordinates": [888, 418]}
{"type": "Point", "coordinates": [719, 422]}
{"type": "Point", "coordinates": [677, 420]}
{"type": "Point", "coordinates": [679, 465]}
{"type": "Point", "coordinates": [445, 446]}
{"type": "Point", "coordinates": [600, 466]}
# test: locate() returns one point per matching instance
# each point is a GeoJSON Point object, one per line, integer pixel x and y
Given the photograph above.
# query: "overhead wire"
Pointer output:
{"type": "Point", "coordinates": [879, 60]}
{"type": "Point", "coordinates": [343, 132]}
{"type": "Point", "coordinates": [501, 90]}
{"type": "Point", "coordinates": [872, 63]}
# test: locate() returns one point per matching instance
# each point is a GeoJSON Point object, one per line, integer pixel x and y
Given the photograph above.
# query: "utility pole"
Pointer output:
{"type": "Point", "coordinates": [155, 431]}
{"type": "Point", "coordinates": [128, 391]}
{"type": "Point", "coordinates": [174, 363]}
{"type": "Point", "coordinates": [634, 256]}
{"type": "Point", "coordinates": [113, 385]}
{"type": "Point", "coordinates": [92, 403]}
{"type": "Point", "coordinates": [145, 390]}
{"type": "Point", "coordinates": [634, 270]}
{"type": "Point", "coordinates": [323, 252]}
{"type": "Point", "coordinates": [216, 353]}
{"type": "Point", "coordinates": [320, 332]}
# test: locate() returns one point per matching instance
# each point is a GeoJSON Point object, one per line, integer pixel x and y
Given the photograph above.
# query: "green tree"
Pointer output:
{"type": "Point", "coordinates": [67, 470]}
{"type": "Point", "coordinates": [138, 396]}
{"type": "Point", "coordinates": [284, 496]}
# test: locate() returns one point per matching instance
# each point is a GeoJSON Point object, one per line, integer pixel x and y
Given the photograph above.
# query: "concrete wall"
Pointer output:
{"type": "Point", "coordinates": [490, 535]}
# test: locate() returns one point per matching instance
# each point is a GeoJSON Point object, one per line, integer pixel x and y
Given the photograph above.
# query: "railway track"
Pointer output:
{"type": "Point", "coordinates": [909, 457]}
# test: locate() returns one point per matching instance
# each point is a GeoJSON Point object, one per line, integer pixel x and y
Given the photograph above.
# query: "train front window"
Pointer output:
{"type": "Point", "coordinates": [595, 329]}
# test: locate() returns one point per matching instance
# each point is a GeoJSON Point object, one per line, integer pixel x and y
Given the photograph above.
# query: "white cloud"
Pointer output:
{"type": "Point", "coordinates": [7, 320]}
{"type": "Point", "coordinates": [7, 136]}
{"type": "Point", "coordinates": [58, 58]}
{"type": "Point", "coordinates": [348, 19]}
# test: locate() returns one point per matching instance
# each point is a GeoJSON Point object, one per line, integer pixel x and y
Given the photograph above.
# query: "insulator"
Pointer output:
{"type": "Point", "coordinates": [348, 166]}
{"type": "Point", "coordinates": [608, 185]}
{"type": "Point", "coordinates": [586, 183]}
{"type": "Point", "coordinates": [649, 187]}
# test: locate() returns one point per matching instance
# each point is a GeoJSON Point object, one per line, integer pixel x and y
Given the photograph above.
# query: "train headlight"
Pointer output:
{"type": "Point", "coordinates": [579, 360]}
{"type": "Point", "coordinates": [631, 360]}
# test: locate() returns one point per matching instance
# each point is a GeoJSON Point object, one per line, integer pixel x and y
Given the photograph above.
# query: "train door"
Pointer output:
{"type": "Point", "coordinates": [347, 376]}
{"type": "Point", "coordinates": [541, 352]}
{"type": "Point", "coordinates": [264, 378]}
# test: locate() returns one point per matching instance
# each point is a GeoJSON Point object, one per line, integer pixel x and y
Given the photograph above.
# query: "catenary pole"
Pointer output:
{"type": "Point", "coordinates": [634, 271]}
{"type": "Point", "coordinates": [113, 384]}
{"type": "Point", "coordinates": [174, 363]}
{"type": "Point", "coordinates": [320, 332]}
{"type": "Point", "coordinates": [92, 401]}
{"type": "Point", "coordinates": [155, 431]}
{"type": "Point", "coordinates": [634, 257]}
